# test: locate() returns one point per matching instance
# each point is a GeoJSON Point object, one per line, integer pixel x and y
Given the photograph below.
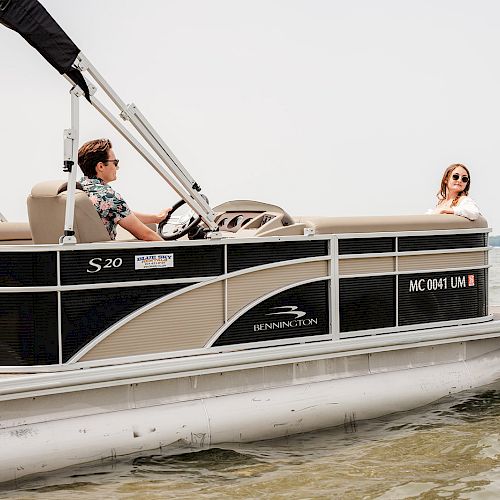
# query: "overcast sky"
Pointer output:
{"type": "Point", "coordinates": [323, 107]}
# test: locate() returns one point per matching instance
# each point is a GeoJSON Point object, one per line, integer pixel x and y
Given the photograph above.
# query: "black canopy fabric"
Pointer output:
{"type": "Point", "coordinates": [30, 19]}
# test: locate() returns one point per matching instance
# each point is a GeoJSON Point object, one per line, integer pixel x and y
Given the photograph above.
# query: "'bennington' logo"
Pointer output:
{"type": "Point", "coordinates": [291, 310]}
{"type": "Point", "coordinates": [293, 323]}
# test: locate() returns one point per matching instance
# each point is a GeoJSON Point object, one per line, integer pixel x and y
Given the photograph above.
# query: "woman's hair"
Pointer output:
{"type": "Point", "coordinates": [444, 184]}
{"type": "Point", "coordinates": [91, 153]}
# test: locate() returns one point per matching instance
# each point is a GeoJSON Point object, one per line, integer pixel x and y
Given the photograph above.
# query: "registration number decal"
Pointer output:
{"type": "Point", "coordinates": [443, 283]}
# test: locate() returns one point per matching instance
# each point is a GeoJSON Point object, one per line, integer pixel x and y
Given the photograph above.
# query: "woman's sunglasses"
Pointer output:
{"type": "Point", "coordinates": [465, 179]}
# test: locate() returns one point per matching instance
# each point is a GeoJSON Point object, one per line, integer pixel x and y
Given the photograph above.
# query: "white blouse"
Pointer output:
{"type": "Point", "coordinates": [466, 207]}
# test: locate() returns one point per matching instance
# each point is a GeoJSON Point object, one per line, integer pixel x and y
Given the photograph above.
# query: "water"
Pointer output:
{"type": "Point", "coordinates": [494, 276]}
{"type": "Point", "coordinates": [450, 449]}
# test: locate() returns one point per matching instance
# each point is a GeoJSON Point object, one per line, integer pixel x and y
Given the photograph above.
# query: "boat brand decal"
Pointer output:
{"type": "Point", "coordinates": [301, 311]}
{"type": "Point", "coordinates": [291, 310]}
{"type": "Point", "coordinates": [293, 323]}
{"type": "Point", "coordinates": [96, 264]}
{"type": "Point", "coordinates": [157, 261]}
{"type": "Point", "coordinates": [441, 283]}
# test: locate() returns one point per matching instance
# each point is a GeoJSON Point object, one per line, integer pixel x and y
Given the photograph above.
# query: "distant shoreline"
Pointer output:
{"type": "Point", "coordinates": [494, 241]}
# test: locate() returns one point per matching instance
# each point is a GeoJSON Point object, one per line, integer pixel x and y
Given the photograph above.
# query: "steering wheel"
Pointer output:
{"type": "Point", "coordinates": [173, 228]}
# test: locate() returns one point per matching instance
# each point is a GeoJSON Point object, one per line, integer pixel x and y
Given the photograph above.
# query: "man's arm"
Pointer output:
{"type": "Point", "coordinates": [152, 218]}
{"type": "Point", "coordinates": [134, 226]}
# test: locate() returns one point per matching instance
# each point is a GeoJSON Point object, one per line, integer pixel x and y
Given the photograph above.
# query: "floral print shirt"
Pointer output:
{"type": "Point", "coordinates": [109, 204]}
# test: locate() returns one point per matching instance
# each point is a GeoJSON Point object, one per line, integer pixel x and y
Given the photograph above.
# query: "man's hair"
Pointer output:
{"type": "Point", "coordinates": [91, 153]}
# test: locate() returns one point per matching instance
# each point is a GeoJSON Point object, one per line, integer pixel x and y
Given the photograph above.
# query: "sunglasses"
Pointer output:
{"type": "Point", "coordinates": [115, 162]}
{"type": "Point", "coordinates": [455, 177]}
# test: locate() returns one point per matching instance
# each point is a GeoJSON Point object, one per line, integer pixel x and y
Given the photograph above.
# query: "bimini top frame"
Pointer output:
{"type": "Point", "coordinates": [169, 167]}
{"type": "Point", "coordinates": [30, 19]}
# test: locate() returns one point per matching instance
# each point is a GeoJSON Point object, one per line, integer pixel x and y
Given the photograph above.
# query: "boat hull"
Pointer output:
{"type": "Point", "coordinates": [71, 426]}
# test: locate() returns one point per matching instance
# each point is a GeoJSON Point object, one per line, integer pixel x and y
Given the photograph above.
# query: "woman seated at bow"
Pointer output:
{"type": "Point", "coordinates": [453, 195]}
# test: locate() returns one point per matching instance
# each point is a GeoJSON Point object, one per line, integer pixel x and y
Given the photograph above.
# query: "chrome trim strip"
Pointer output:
{"type": "Point", "coordinates": [331, 287]}
{"type": "Point", "coordinates": [430, 232]}
{"type": "Point", "coordinates": [336, 295]}
{"type": "Point", "coordinates": [396, 291]}
{"type": "Point", "coordinates": [415, 271]}
{"type": "Point", "coordinates": [415, 327]}
{"type": "Point", "coordinates": [59, 309]}
{"type": "Point", "coordinates": [92, 286]}
{"type": "Point", "coordinates": [414, 252]}
{"type": "Point", "coordinates": [267, 343]}
{"type": "Point", "coordinates": [225, 284]}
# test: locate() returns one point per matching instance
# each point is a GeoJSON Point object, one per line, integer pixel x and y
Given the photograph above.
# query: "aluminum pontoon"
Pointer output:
{"type": "Point", "coordinates": [264, 325]}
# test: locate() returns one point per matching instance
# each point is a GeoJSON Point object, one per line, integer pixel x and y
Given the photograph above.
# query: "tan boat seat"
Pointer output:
{"type": "Point", "coordinates": [388, 223]}
{"type": "Point", "coordinates": [15, 233]}
{"type": "Point", "coordinates": [46, 212]}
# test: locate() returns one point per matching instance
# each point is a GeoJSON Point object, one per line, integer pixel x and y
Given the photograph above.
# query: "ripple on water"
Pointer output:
{"type": "Point", "coordinates": [208, 465]}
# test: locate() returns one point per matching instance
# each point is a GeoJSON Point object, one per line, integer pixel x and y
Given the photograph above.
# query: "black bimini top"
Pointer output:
{"type": "Point", "coordinates": [30, 19]}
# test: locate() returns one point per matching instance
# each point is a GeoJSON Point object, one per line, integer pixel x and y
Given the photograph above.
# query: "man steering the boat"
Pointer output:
{"type": "Point", "coordinates": [99, 165]}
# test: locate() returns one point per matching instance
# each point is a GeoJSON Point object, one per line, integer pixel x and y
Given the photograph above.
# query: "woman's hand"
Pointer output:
{"type": "Point", "coordinates": [446, 211]}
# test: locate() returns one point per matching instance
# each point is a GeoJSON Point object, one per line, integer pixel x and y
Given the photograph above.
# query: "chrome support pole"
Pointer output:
{"type": "Point", "coordinates": [335, 297]}
{"type": "Point", "coordinates": [70, 166]}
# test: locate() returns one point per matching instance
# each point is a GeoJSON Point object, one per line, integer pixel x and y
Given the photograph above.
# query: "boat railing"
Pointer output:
{"type": "Point", "coordinates": [110, 302]}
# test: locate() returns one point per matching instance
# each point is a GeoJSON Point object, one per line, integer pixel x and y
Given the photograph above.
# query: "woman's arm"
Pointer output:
{"type": "Point", "coordinates": [467, 208]}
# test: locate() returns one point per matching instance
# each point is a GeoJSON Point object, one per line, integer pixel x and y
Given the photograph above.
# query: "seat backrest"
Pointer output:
{"type": "Point", "coordinates": [389, 223]}
{"type": "Point", "coordinates": [46, 212]}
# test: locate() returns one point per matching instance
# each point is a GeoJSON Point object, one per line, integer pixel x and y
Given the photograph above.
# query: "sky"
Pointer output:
{"type": "Point", "coordinates": [323, 107]}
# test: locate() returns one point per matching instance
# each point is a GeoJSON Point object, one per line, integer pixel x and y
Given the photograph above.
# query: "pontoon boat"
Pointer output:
{"type": "Point", "coordinates": [246, 323]}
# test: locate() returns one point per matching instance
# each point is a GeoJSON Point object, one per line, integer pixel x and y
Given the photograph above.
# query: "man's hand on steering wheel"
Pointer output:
{"type": "Point", "coordinates": [171, 228]}
{"type": "Point", "coordinates": [162, 215]}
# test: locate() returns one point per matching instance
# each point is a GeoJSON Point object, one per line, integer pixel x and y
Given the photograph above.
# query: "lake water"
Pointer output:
{"type": "Point", "coordinates": [450, 449]}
